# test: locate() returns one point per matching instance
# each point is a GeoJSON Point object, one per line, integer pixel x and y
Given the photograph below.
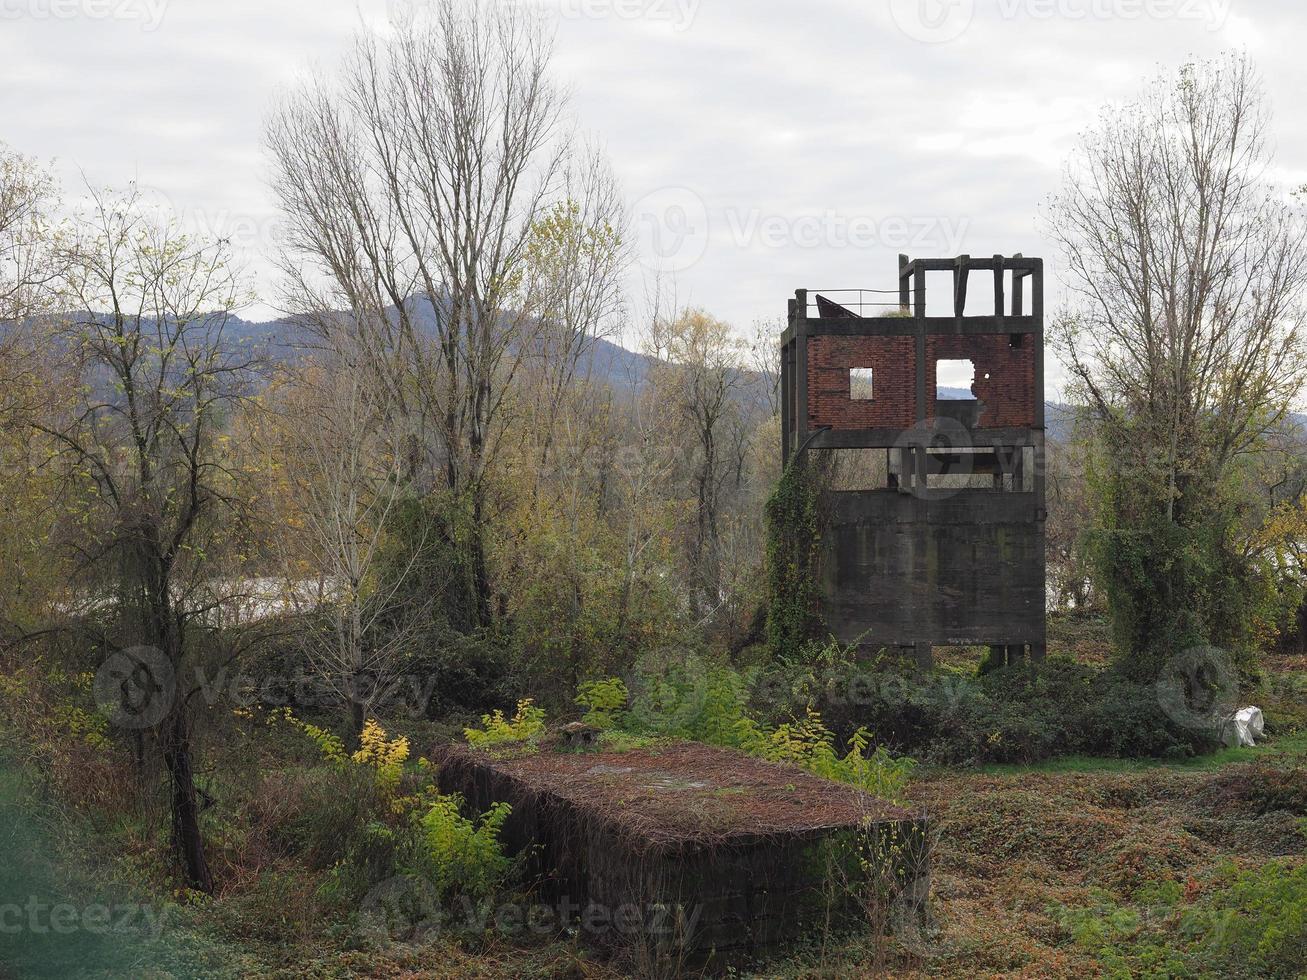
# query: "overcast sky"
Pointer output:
{"type": "Point", "coordinates": [764, 144]}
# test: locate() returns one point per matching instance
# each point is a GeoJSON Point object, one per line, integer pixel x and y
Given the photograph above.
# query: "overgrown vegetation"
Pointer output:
{"type": "Point", "coordinates": [1181, 347]}
{"type": "Point", "coordinates": [526, 725]}
{"type": "Point", "coordinates": [794, 541]}
{"type": "Point", "coordinates": [1251, 923]}
{"type": "Point", "coordinates": [245, 592]}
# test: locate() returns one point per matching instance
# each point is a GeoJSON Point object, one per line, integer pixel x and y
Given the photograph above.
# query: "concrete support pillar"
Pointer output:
{"type": "Point", "coordinates": [925, 655]}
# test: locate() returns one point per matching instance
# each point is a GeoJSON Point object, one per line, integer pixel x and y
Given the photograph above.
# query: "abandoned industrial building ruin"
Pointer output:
{"type": "Point", "coordinates": [934, 531]}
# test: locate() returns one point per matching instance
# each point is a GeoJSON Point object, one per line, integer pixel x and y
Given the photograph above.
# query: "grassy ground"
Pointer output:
{"type": "Point", "coordinates": [1053, 870]}
{"type": "Point", "coordinates": [1018, 851]}
{"type": "Point", "coordinates": [1017, 847]}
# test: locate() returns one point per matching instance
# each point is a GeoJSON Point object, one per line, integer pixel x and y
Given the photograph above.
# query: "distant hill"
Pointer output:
{"type": "Point", "coordinates": [628, 370]}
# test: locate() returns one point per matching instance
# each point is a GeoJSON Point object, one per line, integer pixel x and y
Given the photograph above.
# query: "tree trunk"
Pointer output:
{"type": "Point", "coordinates": [480, 569]}
{"type": "Point", "coordinates": [357, 719]}
{"type": "Point", "coordinates": [187, 840]}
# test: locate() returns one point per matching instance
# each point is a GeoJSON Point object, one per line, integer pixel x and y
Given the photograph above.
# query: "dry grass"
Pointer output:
{"type": "Point", "coordinates": [681, 792]}
{"type": "Point", "coordinates": [1011, 849]}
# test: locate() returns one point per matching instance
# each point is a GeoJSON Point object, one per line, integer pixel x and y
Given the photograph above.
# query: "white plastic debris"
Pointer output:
{"type": "Point", "coordinates": [1244, 728]}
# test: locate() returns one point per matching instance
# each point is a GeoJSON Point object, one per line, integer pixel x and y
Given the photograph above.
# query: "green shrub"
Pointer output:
{"type": "Point", "coordinates": [462, 855]}
{"type": "Point", "coordinates": [1131, 941]}
{"type": "Point", "coordinates": [1258, 923]}
{"type": "Point", "coordinates": [1255, 925]}
{"type": "Point", "coordinates": [464, 673]}
{"type": "Point", "coordinates": [794, 532]}
{"type": "Point", "coordinates": [1020, 714]}
{"type": "Point", "coordinates": [711, 705]}
{"type": "Point", "coordinates": [496, 731]}
{"type": "Point", "coordinates": [811, 745]}
{"type": "Point", "coordinates": [604, 701]}
{"type": "Point", "coordinates": [701, 704]}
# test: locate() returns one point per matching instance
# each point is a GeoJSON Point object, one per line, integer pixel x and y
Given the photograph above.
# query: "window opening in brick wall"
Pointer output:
{"type": "Point", "coordinates": [861, 387]}
{"type": "Point", "coordinates": [953, 380]}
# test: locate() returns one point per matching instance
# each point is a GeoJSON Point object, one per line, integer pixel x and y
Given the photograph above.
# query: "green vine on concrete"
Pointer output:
{"type": "Point", "coordinates": [795, 527]}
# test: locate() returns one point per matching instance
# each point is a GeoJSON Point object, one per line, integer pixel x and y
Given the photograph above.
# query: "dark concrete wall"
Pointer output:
{"type": "Point", "coordinates": [958, 570]}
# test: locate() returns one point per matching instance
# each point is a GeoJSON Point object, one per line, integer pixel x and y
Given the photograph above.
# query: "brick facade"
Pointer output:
{"type": "Point", "coordinates": [1008, 393]}
{"type": "Point", "coordinates": [894, 382]}
{"type": "Point", "coordinates": [1004, 380]}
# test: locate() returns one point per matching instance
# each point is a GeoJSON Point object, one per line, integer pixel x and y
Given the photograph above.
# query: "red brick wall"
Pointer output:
{"type": "Point", "coordinates": [1008, 392]}
{"type": "Point", "coordinates": [894, 381]}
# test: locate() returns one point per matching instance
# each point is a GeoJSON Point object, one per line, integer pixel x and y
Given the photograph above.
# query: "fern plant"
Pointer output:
{"type": "Point", "coordinates": [497, 731]}
{"type": "Point", "coordinates": [605, 702]}
{"type": "Point", "coordinates": [465, 855]}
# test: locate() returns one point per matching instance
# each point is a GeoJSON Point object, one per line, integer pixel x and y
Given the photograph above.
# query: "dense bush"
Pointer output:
{"type": "Point", "coordinates": [316, 814]}
{"type": "Point", "coordinates": [464, 855]}
{"type": "Point", "coordinates": [711, 705]}
{"type": "Point", "coordinates": [794, 533]}
{"type": "Point", "coordinates": [1018, 714]}
{"type": "Point", "coordinates": [496, 730]}
{"type": "Point", "coordinates": [1258, 922]}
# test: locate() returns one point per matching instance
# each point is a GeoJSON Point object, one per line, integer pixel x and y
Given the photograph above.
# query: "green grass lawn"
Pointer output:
{"type": "Point", "coordinates": [1286, 748]}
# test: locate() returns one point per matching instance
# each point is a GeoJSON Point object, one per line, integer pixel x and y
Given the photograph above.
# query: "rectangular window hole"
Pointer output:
{"type": "Point", "coordinates": [1016, 341]}
{"type": "Point", "coordinates": [953, 380]}
{"type": "Point", "coordinates": [861, 387]}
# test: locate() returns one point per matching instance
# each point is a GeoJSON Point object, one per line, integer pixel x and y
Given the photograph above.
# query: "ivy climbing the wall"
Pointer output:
{"type": "Point", "coordinates": [795, 526]}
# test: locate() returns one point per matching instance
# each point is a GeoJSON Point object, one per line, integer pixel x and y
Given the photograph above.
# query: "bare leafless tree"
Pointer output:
{"type": "Point", "coordinates": [29, 271]}
{"type": "Point", "coordinates": [696, 375]}
{"type": "Point", "coordinates": [414, 185]}
{"type": "Point", "coordinates": [1184, 336]}
{"type": "Point", "coordinates": [28, 236]}
{"type": "Point", "coordinates": [571, 285]}
{"type": "Point", "coordinates": [1187, 272]}
{"type": "Point", "coordinates": [344, 479]}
